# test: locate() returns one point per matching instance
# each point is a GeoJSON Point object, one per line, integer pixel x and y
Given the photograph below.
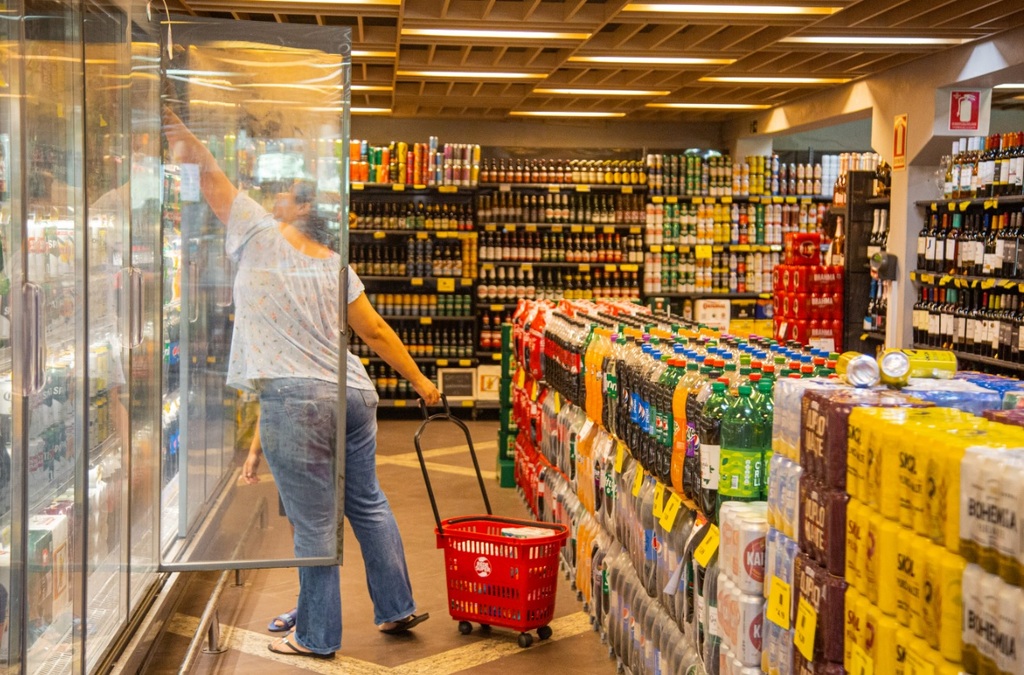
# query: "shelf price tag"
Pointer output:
{"type": "Point", "coordinates": [609, 268]}
{"type": "Point", "coordinates": [448, 189]}
{"type": "Point", "coordinates": [465, 363]}
{"type": "Point", "coordinates": [777, 200]}
{"type": "Point", "coordinates": [608, 229]}
{"type": "Point", "coordinates": [935, 207]}
{"type": "Point", "coordinates": [357, 186]}
{"type": "Point", "coordinates": [620, 456]}
{"type": "Point", "coordinates": [755, 199]}
{"type": "Point", "coordinates": [727, 200]}
{"type": "Point", "coordinates": [659, 200]}
{"type": "Point", "coordinates": [779, 602]}
{"type": "Point", "coordinates": [627, 189]}
{"type": "Point", "coordinates": [659, 500]}
{"type": "Point", "coordinates": [364, 361]}
{"type": "Point", "coordinates": [468, 403]}
{"type": "Point", "coordinates": [635, 230]}
{"type": "Point", "coordinates": [398, 187]}
{"type": "Point", "coordinates": [490, 227]}
{"type": "Point", "coordinates": [988, 204]}
{"type": "Point", "coordinates": [417, 281]}
{"type": "Point", "coordinates": [964, 205]}
{"type": "Point", "coordinates": [446, 285]}
{"type": "Point", "coordinates": [582, 188]}
{"type": "Point", "coordinates": [589, 229]}
{"type": "Point", "coordinates": [557, 401]}
{"type": "Point", "coordinates": [806, 625]}
{"type": "Point", "coordinates": [575, 229]}
{"type": "Point", "coordinates": [422, 235]}
{"type": "Point", "coordinates": [655, 248]}
{"type": "Point", "coordinates": [702, 252]}
{"type": "Point", "coordinates": [708, 547]}
{"type": "Point", "coordinates": [558, 228]}
{"type": "Point", "coordinates": [553, 189]}
{"type": "Point", "coordinates": [791, 200]}
{"type": "Point", "coordinates": [497, 308]}
{"type": "Point", "coordinates": [860, 662]}
{"type": "Point", "coordinates": [401, 403]}
{"type": "Point", "coordinates": [700, 200]}
{"type": "Point", "coordinates": [510, 228]}
{"type": "Point", "coordinates": [669, 512]}
{"type": "Point", "coordinates": [521, 378]}
{"type": "Point", "coordinates": [443, 363]}
{"type": "Point", "coordinates": [380, 234]}
{"type": "Point", "coordinates": [1006, 283]}
{"type": "Point", "coordinates": [531, 228]}
{"type": "Point", "coordinates": [638, 483]}
{"type": "Point", "coordinates": [988, 283]}
{"type": "Point", "coordinates": [505, 187]}
{"type": "Point", "coordinates": [672, 200]}
{"type": "Point", "coordinates": [584, 268]}
{"type": "Point", "coordinates": [426, 321]}
{"type": "Point", "coordinates": [945, 279]}
{"type": "Point", "coordinates": [629, 268]}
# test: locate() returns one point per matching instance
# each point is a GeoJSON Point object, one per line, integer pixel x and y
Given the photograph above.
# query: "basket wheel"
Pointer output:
{"type": "Point", "coordinates": [465, 627]}
{"type": "Point", "coordinates": [544, 632]}
{"type": "Point", "coordinates": [525, 640]}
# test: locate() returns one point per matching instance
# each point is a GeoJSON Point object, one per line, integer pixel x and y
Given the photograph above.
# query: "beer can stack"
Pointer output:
{"type": "Point", "coordinates": [808, 295]}
{"type": "Point", "coordinates": [739, 619]}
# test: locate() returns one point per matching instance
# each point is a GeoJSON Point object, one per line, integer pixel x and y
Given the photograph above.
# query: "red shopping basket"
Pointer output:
{"type": "Point", "coordinates": [499, 571]}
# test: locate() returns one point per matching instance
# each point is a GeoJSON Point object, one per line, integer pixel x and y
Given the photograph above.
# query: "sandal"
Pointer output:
{"type": "Point", "coordinates": [292, 650]}
{"type": "Point", "coordinates": [399, 627]}
{"type": "Point", "coordinates": [284, 622]}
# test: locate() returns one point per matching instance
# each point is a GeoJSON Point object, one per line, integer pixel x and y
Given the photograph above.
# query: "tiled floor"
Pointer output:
{"type": "Point", "coordinates": [434, 647]}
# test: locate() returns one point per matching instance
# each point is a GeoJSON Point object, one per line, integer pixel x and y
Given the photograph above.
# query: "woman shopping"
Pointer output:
{"type": "Point", "coordinates": [285, 347]}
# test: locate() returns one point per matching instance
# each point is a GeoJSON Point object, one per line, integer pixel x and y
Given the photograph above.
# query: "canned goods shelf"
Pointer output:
{"type": "Point", "coordinates": [985, 360]}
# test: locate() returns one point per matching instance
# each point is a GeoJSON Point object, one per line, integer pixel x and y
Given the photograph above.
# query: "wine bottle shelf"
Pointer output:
{"type": "Point", "coordinates": [963, 204]}
{"type": "Point", "coordinates": [432, 282]}
{"type": "Point", "coordinates": [964, 280]}
{"type": "Point", "coordinates": [985, 360]}
{"type": "Point", "coordinates": [419, 234]}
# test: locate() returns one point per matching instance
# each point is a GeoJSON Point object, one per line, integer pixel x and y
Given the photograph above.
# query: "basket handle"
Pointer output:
{"type": "Point", "coordinates": [446, 416]}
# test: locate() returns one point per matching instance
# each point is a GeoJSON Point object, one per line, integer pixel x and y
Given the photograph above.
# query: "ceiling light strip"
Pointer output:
{"type": "Point", "coordinates": [711, 106]}
{"type": "Point", "coordinates": [679, 8]}
{"type": "Point", "coordinates": [495, 34]}
{"type": "Point", "coordinates": [653, 60]}
{"type": "Point", "coordinates": [742, 79]}
{"type": "Point", "coordinates": [474, 75]}
{"type": "Point", "coordinates": [602, 92]}
{"type": "Point", "coordinates": [545, 113]}
{"type": "Point", "coordinates": [871, 40]}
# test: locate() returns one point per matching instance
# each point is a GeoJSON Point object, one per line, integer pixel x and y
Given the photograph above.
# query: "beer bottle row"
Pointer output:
{"type": "Point", "coordinates": [560, 247]}
{"type": "Point", "coordinates": [433, 341]}
{"type": "Point", "coordinates": [570, 171]}
{"type": "Point", "coordinates": [417, 304]}
{"type": "Point", "coordinates": [417, 258]}
{"type": "Point", "coordinates": [557, 208]}
{"type": "Point", "coordinates": [375, 215]}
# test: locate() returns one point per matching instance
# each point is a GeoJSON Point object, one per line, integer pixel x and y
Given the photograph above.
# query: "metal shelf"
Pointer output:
{"type": "Point", "coordinates": [942, 279]}
{"type": "Point", "coordinates": [384, 188]}
{"type": "Point", "coordinates": [747, 199]}
{"type": "Point", "coordinates": [985, 360]}
{"type": "Point", "coordinates": [574, 228]}
{"type": "Point", "coordinates": [986, 202]}
{"type": "Point", "coordinates": [567, 187]}
{"type": "Point", "coordinates": [719, 296]}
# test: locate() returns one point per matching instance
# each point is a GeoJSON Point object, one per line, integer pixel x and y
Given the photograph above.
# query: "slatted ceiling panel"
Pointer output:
{"type": "Point", "coordinates": [753, 39]}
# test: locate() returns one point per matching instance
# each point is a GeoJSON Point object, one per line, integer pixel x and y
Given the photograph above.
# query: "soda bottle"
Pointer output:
{"type": "Point", "coordinates": [667, 408]}
{"type": "Point", "coordinates": [710, 427]}
{"type": "Point", "coordinates": [742, 457]}
{"type": "Point", "coordinates": [681, 431]}
{"type": "Point", "coordinates": [765, 405]}
{"type": "Point", "coordinates": [691, 466]}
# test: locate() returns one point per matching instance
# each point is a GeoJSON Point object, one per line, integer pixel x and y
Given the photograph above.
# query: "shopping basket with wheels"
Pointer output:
{"type": "Point", "coordinates": [499, 571]}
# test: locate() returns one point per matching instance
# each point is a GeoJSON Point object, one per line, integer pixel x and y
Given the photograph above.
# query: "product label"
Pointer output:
{"type": "Point", "coordinates": [806, 625]}
{"type": "Point", "coordinates": [710, 461]}
{"type": "Point", "coordinates": [703, 553]}
{"type": "Point", "coordinates": [741, 474]}
{"type": "Point", "coordinates": [779, 603]}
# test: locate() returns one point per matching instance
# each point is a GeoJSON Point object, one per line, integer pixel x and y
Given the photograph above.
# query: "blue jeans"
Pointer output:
{"type": "Point", "coordinates": [298, 432]}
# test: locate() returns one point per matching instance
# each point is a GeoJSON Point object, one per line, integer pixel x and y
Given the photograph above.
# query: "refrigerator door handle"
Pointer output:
{"type": "Point", "coordinates": [193, 292]}
{"type": "Point", "coordinates": [135, 328]}
{"type": "Point", "coordinates": [34, 339]}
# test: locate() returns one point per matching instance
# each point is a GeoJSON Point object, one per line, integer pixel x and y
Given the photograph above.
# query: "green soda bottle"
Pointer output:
{"type": "Point", "coordinates": [741, 476]}
{"type": "Point", "coordinates": [764, 404]}
{"type": "Point", "coordinates": [709, 432]}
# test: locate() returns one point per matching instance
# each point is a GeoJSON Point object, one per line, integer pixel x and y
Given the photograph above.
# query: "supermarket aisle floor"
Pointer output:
{"type": "Point", "coordinates": [434, 647]}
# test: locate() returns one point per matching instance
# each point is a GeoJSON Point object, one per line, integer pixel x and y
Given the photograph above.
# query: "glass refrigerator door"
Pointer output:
{"type": "Point", "coordinates": [49, 525]}
{"type": "Point", "coordinates": [270, 102]}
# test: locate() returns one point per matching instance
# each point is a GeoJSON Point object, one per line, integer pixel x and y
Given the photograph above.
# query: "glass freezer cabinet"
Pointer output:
{"type": "Point", "coordinates": [120, 444]}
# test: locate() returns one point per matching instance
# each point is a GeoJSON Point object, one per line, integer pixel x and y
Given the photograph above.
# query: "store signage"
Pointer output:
{"type": "Point", "coordinates": [899, 143]}
{"type": "Point", "coordinates": [964, 110]}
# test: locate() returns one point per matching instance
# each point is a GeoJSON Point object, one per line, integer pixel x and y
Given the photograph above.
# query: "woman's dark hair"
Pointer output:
{"type": "Point", "coordinates": [315, 226]}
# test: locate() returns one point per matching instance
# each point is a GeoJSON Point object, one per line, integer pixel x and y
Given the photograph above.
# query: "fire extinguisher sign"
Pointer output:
{"type": "Point", "coordinates": [964, 110]}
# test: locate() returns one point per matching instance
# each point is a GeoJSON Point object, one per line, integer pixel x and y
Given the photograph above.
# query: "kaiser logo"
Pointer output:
{"type": "Point", "coordinates": [482, 566]}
